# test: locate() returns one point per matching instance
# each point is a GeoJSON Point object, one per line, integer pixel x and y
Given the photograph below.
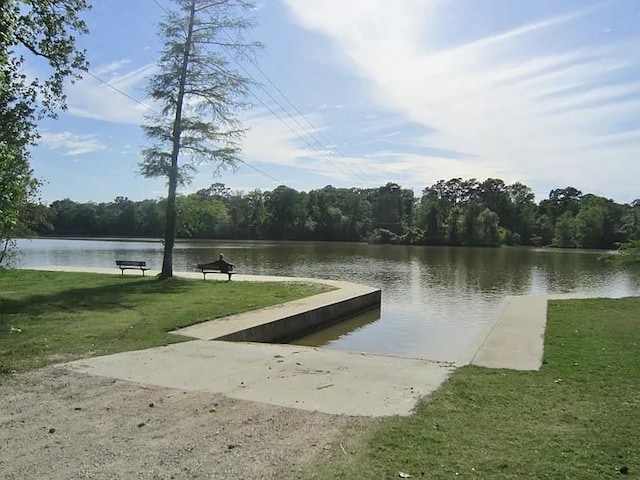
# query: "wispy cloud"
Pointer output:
{"type": "Point", "coordinates": [520, 105]}
{"type": "Point", "coordinates": [391, 134]}
{"type": "Point", "coordinates": [270, 141]}
{"type": "Point", "coordinates": [111, 68]}
{"type": "Point", "coordinates": [72, 144]}
{"type": "Point", "coordinates": [118, 103]}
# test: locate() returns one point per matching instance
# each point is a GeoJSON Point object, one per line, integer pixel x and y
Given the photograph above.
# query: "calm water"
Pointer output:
{"type": "Point", "coordinates": [434, 300]}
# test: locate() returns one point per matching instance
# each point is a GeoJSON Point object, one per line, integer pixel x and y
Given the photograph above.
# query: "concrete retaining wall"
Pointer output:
{"type": "Point", "coordinates": [294, 326]}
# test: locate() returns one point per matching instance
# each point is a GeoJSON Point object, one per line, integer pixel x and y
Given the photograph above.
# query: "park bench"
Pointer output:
{"type": "Point", "coordinates": [131, 265]}
{"type": "Point", "coordinates": [219, 266]}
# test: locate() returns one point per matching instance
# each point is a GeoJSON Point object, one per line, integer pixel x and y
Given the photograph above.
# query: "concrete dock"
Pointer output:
{"type": "Point", "coordinates": [515, 338]}
{"type": "Point", "coordinates": [281, 323]}
{"type": "Point", "coordinates": [313, 378]}
{"type": "Point", "coordinates": [308, 378]}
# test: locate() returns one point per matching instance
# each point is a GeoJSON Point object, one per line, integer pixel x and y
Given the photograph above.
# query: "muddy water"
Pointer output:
{"type": "Point", "coordinates": [434, 300]}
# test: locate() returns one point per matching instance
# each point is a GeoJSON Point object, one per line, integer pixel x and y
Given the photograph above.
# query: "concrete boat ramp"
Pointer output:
{"type": "Point", "coordinates": [310, 378]}
{"type": "Point", "coordinates": [287, 375]}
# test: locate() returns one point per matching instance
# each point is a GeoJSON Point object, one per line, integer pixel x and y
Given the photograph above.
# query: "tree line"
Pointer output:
{"type": "Point", "coordinates": [452, 212]}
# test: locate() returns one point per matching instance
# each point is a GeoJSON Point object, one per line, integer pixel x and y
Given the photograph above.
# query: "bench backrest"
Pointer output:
{"type": "Point", "coordinates": [221, 265]}
{"type": "Point", "coordinates": [130, 263]}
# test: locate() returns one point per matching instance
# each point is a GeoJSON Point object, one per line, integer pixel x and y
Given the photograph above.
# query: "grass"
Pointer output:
{"type": "Point", "coordinates": [576, 418]}
{"type": "Point", "coordinates": [63, 316]}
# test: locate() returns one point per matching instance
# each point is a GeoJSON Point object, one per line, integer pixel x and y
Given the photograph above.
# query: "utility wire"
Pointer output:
{"type": "Point", "coordinates": [314, 128]}
{"type": "Point", "coordinates": [122, 92]}
{"type": "Point", "coordinates": [320, 149]}
{"type": "Point", "coordinates": [161, 6]}
{"type": "Point", "coordinates": [280, 182]}
{"type": "Point", "coordinates": [314, 148]}
{"type": "Point", "coordinates": [257, 98]}
{"type": "Point", "coordinates": [346, 168]}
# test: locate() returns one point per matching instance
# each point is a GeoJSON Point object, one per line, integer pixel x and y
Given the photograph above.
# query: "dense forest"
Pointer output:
{"type": "Point", "coordinates": [453, 212]}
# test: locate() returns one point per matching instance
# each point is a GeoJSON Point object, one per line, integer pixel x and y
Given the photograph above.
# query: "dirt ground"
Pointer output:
{"type": "Point", "coordinates": [56, 424]}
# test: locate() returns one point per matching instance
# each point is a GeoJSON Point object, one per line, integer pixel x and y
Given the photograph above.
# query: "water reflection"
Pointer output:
{"type": "Point", "coordinates": [435, 299]}
{"type": "Point", "coordinates": [333, 334]}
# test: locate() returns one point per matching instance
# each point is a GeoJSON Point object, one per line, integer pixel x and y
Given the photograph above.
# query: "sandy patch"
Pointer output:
{"type": "Point", "coordinates": [56, 424]}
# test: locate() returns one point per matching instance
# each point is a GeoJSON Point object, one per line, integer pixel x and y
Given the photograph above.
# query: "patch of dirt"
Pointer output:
{"type": "Point", "coordinates": [57, 424]}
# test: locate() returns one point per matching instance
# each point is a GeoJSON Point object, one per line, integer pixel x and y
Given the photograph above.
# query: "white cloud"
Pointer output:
{"type": "Point", "coordinates": [91, 98]}
{"type": "Point", "coordinates": [110, 68]}
{"type": "Point", "coordinates": [519, 105]}
{"type": "Point", "coordinates": [270, 141]}
{"type": "Point", "coordinates": [73, 144]}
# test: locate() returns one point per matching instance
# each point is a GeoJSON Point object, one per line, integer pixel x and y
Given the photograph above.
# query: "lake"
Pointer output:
{"type": "Point", "coordinates": [435, 300]}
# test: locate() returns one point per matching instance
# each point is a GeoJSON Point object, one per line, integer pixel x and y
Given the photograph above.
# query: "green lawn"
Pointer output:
{"type": "Point", "coordinates": [576, 418]}
{"type": "Point", "coordinates": [71, 315]}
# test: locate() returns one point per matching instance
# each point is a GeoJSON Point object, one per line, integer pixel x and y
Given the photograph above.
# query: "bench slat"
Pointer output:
{"type": "Point", "coordinates": [213, 268]}
{"type": "Point", "coordinates": [132, 265]}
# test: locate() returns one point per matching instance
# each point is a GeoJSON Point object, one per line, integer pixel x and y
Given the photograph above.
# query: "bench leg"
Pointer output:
{"type": "Point", "coordinates": [229, 277]}
{"type": "Point", "coordinates": [142, 272]}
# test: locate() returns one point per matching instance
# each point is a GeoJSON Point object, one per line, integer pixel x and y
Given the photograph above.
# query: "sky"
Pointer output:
{"type": "Point", "coordinates": [359, 93]}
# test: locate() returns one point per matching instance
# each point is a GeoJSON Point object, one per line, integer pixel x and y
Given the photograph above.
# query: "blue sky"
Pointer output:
{"type": "Point", "coordinates": [408, 91]}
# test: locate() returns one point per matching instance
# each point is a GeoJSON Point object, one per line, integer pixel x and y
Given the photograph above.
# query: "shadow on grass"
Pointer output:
{"type": "Point", "coordinates": [114, 296]}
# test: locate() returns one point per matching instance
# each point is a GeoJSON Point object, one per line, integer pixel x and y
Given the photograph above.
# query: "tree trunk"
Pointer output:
{"type": "Point", "coordinates": [170, 229]}
{"type": "Point", "coordinates": [170, 226]}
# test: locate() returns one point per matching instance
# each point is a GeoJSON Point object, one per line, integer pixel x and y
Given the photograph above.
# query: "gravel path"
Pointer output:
{"type": "Point", "coordinates": [55, 424]}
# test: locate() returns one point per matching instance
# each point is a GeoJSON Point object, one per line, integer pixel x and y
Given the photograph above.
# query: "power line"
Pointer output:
{"type": "Point", "coordinates": [244, 162]}
{"type": "Point", "coordinates": [314, 148]}
{"type": "Point", "coordinates": [161, 6]}
{"type": "Point", "coordinates": [122, 92]}
{"type": "Point", "coordinates": [307, 131]}
{"type": "Point", "coordinates": [261, 171]}
{"type": "Point", "coordinates": [299, 112]}
{"type": "Point", "coordinates": [339, 164]}
{"type": "Point", "coordinates": [260, 101]}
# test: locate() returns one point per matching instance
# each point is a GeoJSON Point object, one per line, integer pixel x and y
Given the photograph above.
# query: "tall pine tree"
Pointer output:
{"type": "Point", "coordinates": [200, 96]}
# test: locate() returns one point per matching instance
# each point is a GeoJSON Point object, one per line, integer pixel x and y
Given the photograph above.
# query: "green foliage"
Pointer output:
{"type": "Point", "coordinates": [17, 188]}
{"type": "Point", "coordinates": [36, 32]}
{"type": "Point", "coordinates": [286, 209]}
{"type": "Point", "coordinates": [59, 316]}
{"type": "Point", "coordinates": [487, 234]}
{"type": "Point", "coordinates": [577, 417]}
{"type": "Point", "coordinates": [522, 213]}
{"type": "Point", "coordinates": [565, 231]}
{"type": "Point", "coordinates": [200, 96]}
{"type": "Point", "coordinates": [627, 254]}
{"type": "Point", "coordinates": [431, 215]}
{"type": "Point", "coordinates": [561, 200]}
{"type": "Point", "coordinates": [392, 207]}
{"type": "Point", "coordinates": [630, 220]}
{"type": "Point", "coordinates": [448, 213]}
{"type": "Point", "coordinates": [383, 236]}
{"type": "Point", "coordinates": [201, 219]}
{"type": "Point", "coordinates": [198, 91]}
{"type": "Point", "coordinates": [413, 236]}
{"type": "Point", "coordinates": [44, 29]}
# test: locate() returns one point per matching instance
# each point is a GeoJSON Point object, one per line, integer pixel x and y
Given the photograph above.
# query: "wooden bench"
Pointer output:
{"type": "Point", "coordinates": [216, 267]}
{"type": "Point", "coordinates": [131, 265]}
